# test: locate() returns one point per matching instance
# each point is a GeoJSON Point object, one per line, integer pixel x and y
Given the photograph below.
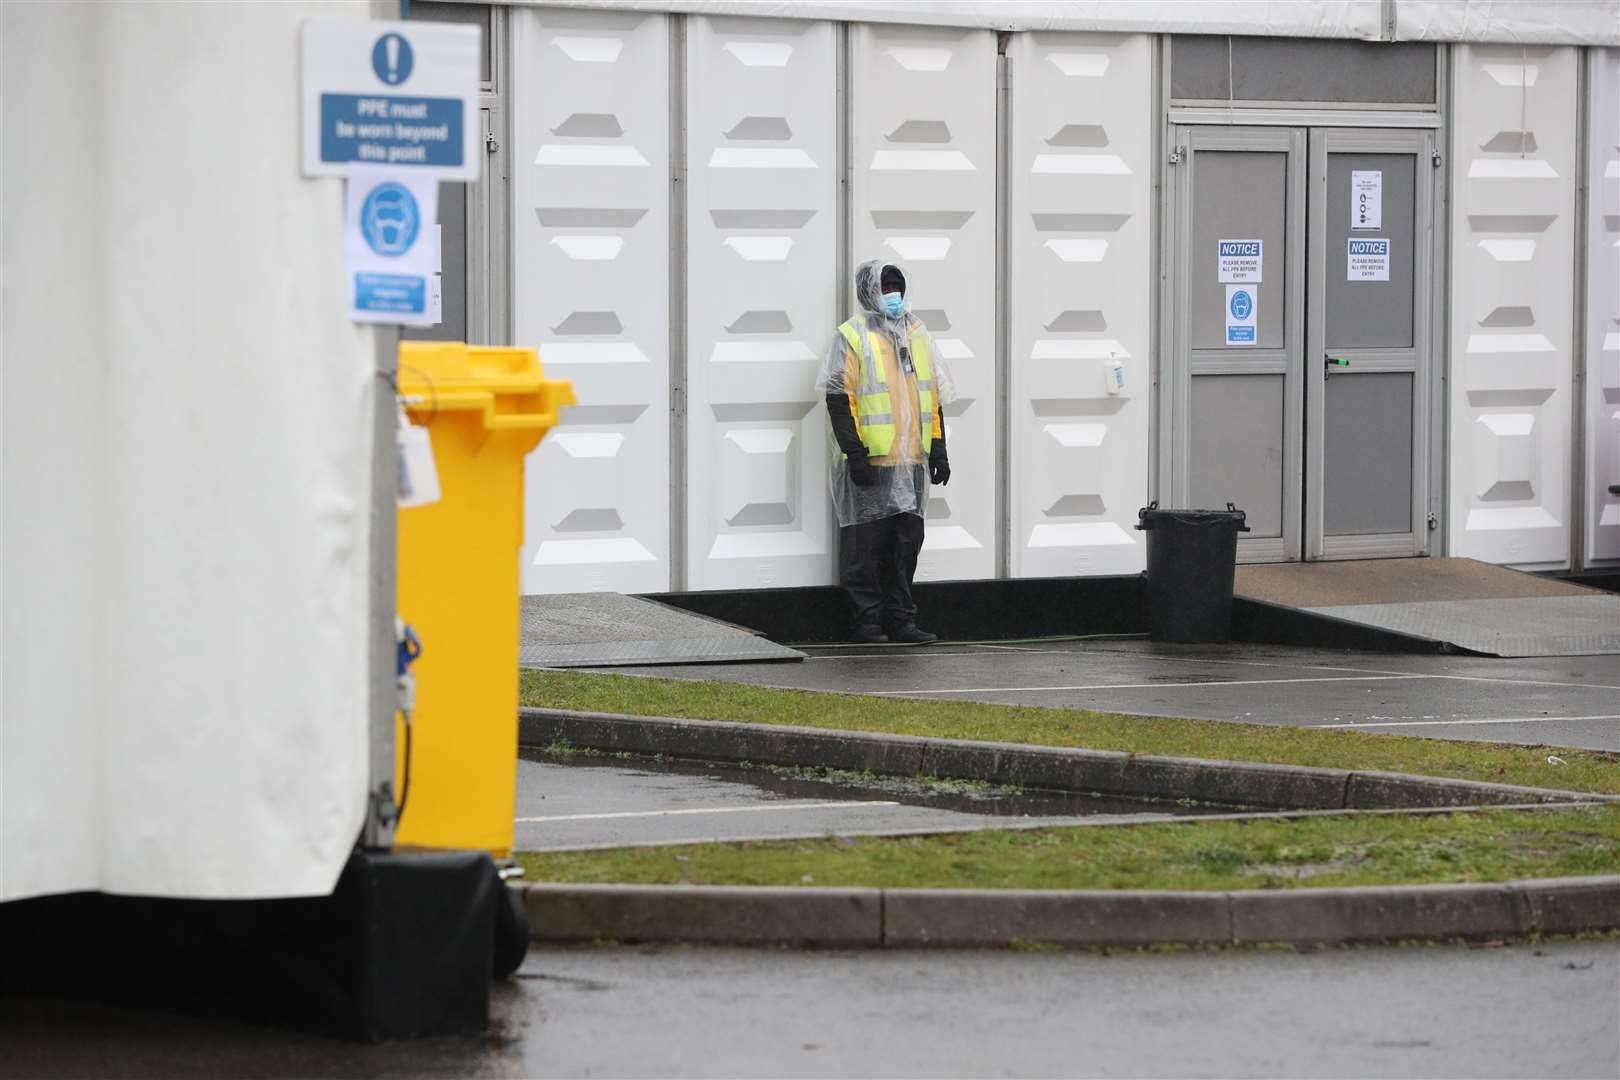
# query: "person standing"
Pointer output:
{"type": "Point", "coordinates": [884, 384]}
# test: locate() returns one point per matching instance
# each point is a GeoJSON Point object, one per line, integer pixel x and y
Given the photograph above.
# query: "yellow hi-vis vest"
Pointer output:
{"type": "Point", "coordinates": [874, 410]}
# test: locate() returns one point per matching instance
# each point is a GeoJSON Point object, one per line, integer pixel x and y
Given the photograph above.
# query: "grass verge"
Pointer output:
{"type": "Point", "coordinates": [1497, 845]}
{"type": "Point", "coordinates": [1583, 770]}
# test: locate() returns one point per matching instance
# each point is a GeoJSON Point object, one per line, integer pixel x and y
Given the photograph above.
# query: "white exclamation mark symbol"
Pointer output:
{"type": "Point", "coordinates": [392, 47]}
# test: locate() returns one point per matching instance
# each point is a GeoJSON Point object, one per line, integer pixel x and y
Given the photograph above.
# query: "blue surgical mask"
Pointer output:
{"type": "Point", "coordinates": [893, 304]}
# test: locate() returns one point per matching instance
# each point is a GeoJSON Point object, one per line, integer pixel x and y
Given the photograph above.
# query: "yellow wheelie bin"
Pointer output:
{"type": "Point", "coordinates": [484, 409]}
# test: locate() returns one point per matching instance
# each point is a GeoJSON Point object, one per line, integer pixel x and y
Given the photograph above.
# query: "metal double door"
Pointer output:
{"type": "Point", "coordinates": [1300, 295]}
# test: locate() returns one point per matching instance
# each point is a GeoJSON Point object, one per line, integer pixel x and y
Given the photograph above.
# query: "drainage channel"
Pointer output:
{"type": "Point", "coordinates": [573, 801]}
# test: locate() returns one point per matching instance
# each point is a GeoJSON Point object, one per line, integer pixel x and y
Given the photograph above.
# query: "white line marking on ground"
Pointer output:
{"type": "Point", "coordinates": [1148, 686]}
{"type": "Point", "coordinates": [890, 655]}
{"type": "Point", "coordinates": [1445, 723]}
{"type": "Point", "coordinates": [1531, 682]}
{"type": "Point", "coordinates": [1363, 670]}
{"type": "Point", "coordinates": [842, 805]}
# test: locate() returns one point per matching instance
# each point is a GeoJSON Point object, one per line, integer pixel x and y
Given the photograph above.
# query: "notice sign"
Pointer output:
{"type": "Point", "coordinates": [1239, 262]}
{"type": "Point", "coordinates": [1366, 199]}
{"type": "Point", "coordinates": [403, 94]}
{"type": "Point", "coordinates": [1369, 260]}
{"type": "Point", "coordinates": [1242, 309]}
{"type": "Point", "coordinates": [388, 239]}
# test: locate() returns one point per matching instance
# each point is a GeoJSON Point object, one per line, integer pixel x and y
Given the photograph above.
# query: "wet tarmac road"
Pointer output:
{"type": "Point", "coordinates": [581, 801]}
{"type": "Point", "coordinates": [1551, 1010]}
{"type": "Point", "coordinates": [1569, 701]}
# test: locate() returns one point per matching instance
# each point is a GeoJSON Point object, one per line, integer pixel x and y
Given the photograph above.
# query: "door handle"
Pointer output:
{"type": "Point", "coordinates": [1332, 362]}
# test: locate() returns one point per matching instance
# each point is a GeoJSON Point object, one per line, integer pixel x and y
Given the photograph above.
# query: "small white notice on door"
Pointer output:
{"type": "Point", "coordinates": [1366, 199]}
{"type": "Point", "coordinates": [1369, 260]}
{"type": "Point", "coordinates": [1242, 311]}
{"type": "Point", "coordinates": [1240, 262]}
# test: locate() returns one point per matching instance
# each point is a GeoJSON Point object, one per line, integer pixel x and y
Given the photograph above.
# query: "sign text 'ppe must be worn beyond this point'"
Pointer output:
{"type": "Point", "coordinates": [392, 130]}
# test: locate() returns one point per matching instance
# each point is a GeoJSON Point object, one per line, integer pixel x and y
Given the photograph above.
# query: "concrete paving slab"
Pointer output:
{"type": "Point", "coordinates": [593, 802]}
{"type": "Point", "coordinates": [1559, 701]}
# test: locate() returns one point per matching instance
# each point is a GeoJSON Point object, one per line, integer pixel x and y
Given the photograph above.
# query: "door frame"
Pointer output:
{"type": "Point", "coordinates": [1419, 359]}
{"type": "Point", "coordinates": [1178, 368]}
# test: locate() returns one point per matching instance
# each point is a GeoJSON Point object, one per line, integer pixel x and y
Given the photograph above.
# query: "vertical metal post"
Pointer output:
{"type": "Point", "coordinates": [678, 479]}
{"type": "Point", "coordinates": [1578, 340]}
{"type": "Point", "coordinates": [381, 816]}
{"type": "Point", "coordinates": [380, 806]}
{"type": "Point", "coordinates": [1003, 309]}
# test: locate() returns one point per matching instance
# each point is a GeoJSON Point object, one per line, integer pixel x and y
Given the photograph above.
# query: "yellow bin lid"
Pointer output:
{"type": "Point", "coordinates": [505, 386]}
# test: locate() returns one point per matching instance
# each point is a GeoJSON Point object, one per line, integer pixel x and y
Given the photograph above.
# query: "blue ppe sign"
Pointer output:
{"type": "Point", "coordinates": [390, 294]}
{"type": "Point", "coordinates": [1367, 260]}
{"type": "Point", "coordinates": [391, 243]}
{"type": "Point", "coordinates": [391, 93]}
{"type": "Point", "coordinates": [1240, 262]}
{"type": "Point", "coordinates": [1241, 305]}
{"type": "Point", "coordinates": [392, 130]}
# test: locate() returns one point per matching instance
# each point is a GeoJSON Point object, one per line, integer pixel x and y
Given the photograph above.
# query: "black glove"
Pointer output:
{"type": "Point", "coordinates": [939, 466]}
{"type": "Point", "coordinates": [861, 471]}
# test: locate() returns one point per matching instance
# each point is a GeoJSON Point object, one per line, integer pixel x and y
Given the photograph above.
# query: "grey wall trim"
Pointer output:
{"type": "Point", "coordinates": [845, 134]}
{"type": "Point", "coordinates": [677, 303]}
{"type": "Point", "coordinates": [1304, 117]}
{"type": "Point", "coordinates": [1440, 342]}
{"type": "Point", "coordinates": [499, 259]}
{"type": "Point", "coordinates": [1157, 429]}
{"type": "Point", "coordinates": [844, 269]}
{"type": "Point", "coordinates": [1162, 454]}
{"type": "Point", "coordinates": [1583, 195]}
{"type": "Point", "coordinates": [1003, 307]}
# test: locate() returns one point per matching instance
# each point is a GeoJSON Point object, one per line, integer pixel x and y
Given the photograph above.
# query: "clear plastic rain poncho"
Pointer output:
{"type": "Point", "coordinates": [900, 477]}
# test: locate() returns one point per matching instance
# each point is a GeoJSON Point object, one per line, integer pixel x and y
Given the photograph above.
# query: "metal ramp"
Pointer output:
{"type": "Point", "coordinates": [1457, 603]}
{"type": "Point", "coordinates": [614, 630]}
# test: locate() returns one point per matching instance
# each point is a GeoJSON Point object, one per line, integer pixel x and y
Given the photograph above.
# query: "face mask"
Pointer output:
{"type": "Point", "coordinates": [893, 304]}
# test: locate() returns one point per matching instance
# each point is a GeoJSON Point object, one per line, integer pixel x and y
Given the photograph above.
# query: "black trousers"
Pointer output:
{"type": "Point", "coordinates": [876, 562]}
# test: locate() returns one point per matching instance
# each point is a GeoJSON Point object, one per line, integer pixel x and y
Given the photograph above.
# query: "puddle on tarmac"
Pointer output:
{"type": "Point", "coordinates": [962, 796]}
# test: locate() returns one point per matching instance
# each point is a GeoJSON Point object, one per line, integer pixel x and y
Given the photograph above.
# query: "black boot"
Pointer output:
{"type": "Point", "coordinates": [870, 635]}
{"type": "Point", "coordinates": [910, 635]}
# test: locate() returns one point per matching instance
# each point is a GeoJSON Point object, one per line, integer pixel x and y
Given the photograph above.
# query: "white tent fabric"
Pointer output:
{"type": "Point", "coordinates": [1562, 22]}
{"type": "Point", "coordinates": [186, 463]}
{"type": "Point", "coordinates": [1282, 18]}
{"type": "Point", "coordinates": [1527, 22]}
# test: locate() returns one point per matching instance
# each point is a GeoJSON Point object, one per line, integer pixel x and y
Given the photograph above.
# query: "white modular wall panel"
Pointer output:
{"type": "Point", "coordinates": [591, 290]}
{"type": "Point", "coordinates": [1513, 234]}
{"type": "Point", "coordinates": [762, 239]}
{"type": "Point", "coordinates": [1603, 312]}
{"type": "Point", "coordinates": [1080, 286]}
{"type": "Point", "coordinates": [923, 119]}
